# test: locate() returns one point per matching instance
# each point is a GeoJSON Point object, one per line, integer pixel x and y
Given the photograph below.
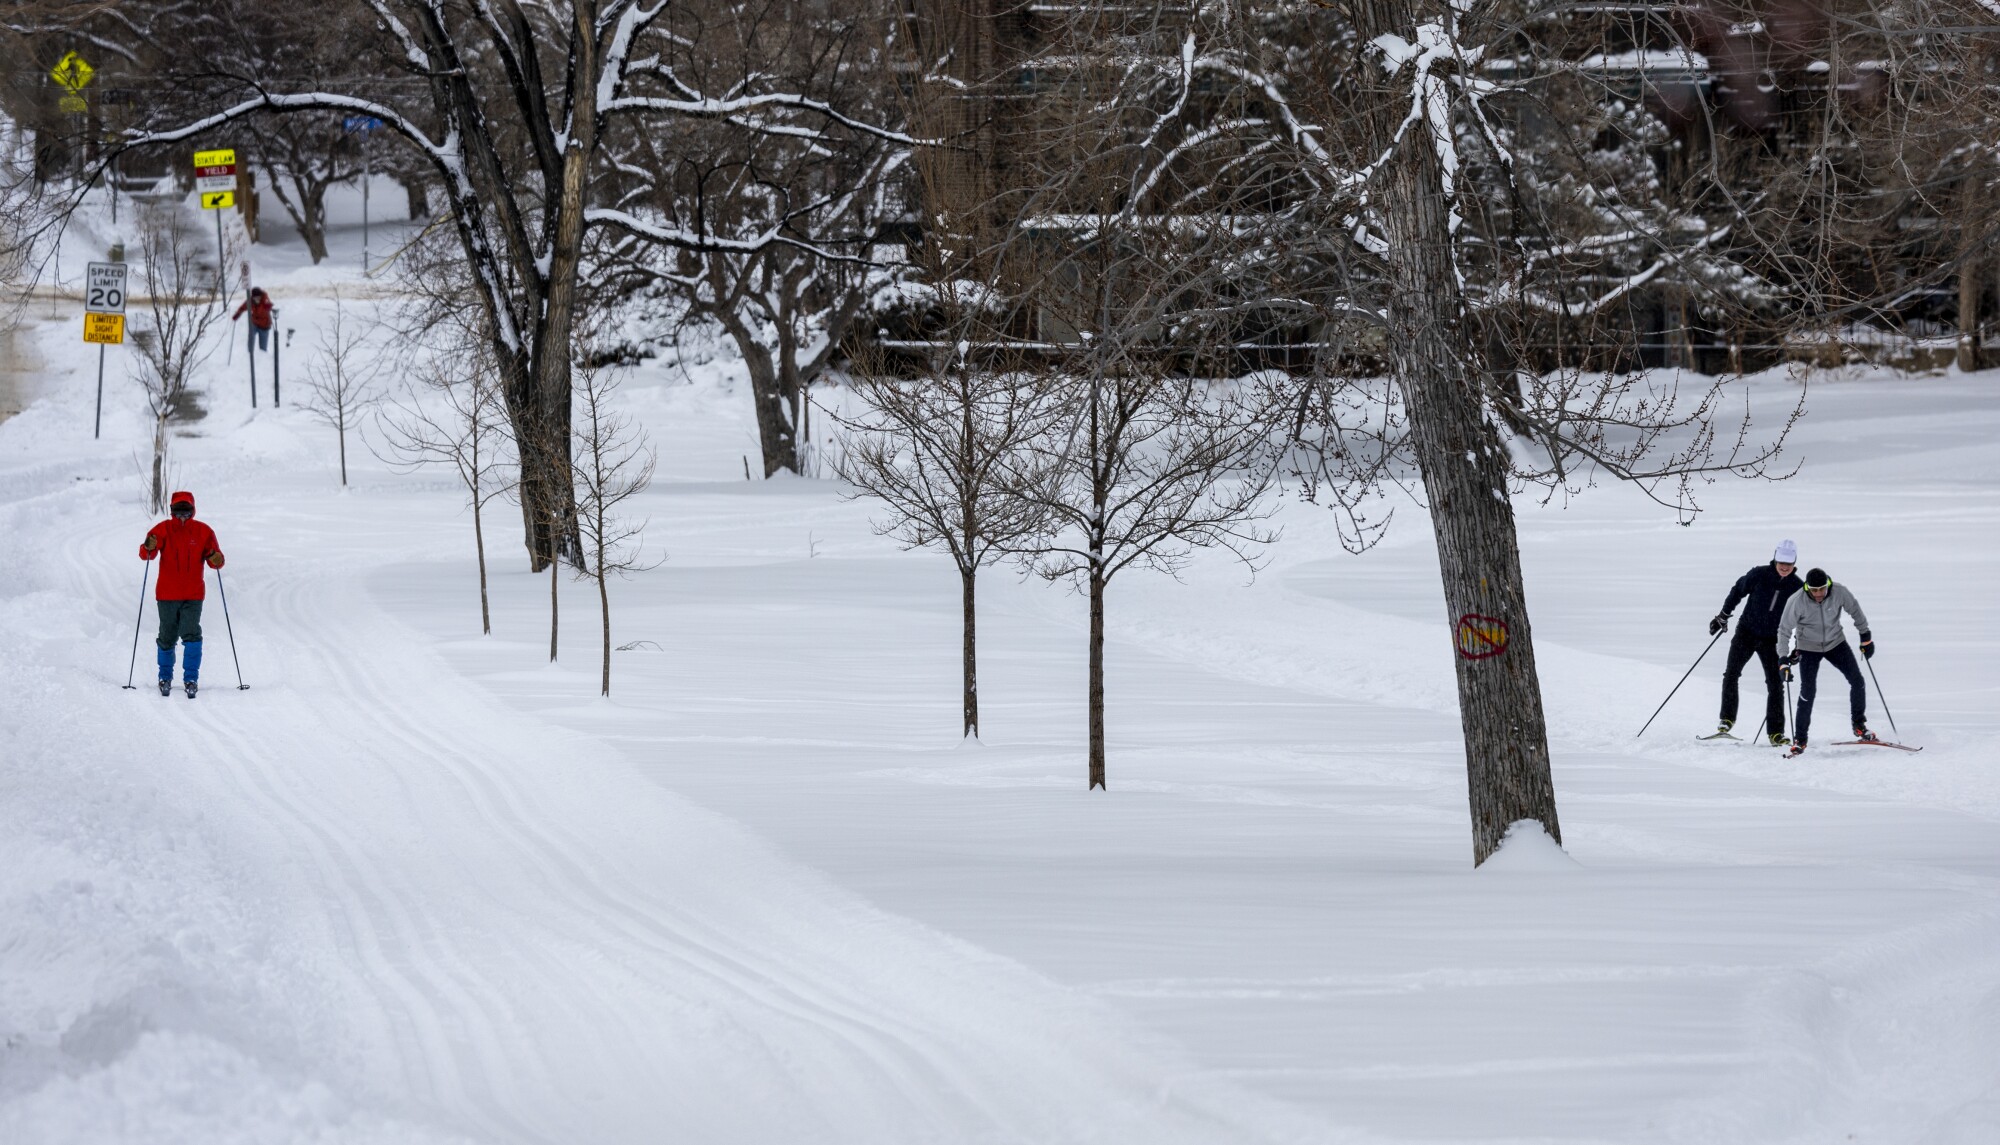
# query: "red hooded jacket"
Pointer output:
{"type": "Point", "coordinates": [182, 546]}
{"type": "Point", "coordinates": [259, 306]}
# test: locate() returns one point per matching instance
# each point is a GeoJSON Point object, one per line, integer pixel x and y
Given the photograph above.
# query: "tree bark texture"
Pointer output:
{"type": "Point", "coordinates": [1096, 677]}
{"type": "Point", "coordinates": [1464, 465]}
{"type": "Point", "coordinates": [1968, 312]}
{"type": "Point", "coordinates": [554, 568]}
{"type": "Point", "coordinates": [967, 581]}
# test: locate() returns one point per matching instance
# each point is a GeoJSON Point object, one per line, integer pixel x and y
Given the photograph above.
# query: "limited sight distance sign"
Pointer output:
{"type": "Point", "coordinates": [104, 303]}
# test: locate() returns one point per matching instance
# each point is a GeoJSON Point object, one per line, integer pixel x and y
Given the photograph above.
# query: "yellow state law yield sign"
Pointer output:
{"type": "Point", "coordinates": [217, 200]}
{"type": "Point", "coordinates": [223, 158]}
{"type": "Point", "coordinates": [108, 329]}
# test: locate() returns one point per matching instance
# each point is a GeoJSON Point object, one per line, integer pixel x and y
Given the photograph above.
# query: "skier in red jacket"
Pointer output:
{"type": "Point", "coordinates": [182, 545]}
{"type": "Point", "coordinates": [261, 310]}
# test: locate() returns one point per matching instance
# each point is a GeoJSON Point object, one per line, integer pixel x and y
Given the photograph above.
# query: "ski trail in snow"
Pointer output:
{"type": "Point", "coordinates": [528, 944]}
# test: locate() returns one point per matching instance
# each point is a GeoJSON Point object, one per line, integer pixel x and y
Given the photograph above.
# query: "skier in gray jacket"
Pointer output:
{"type": "Point", "coordinates": [1810, 627]}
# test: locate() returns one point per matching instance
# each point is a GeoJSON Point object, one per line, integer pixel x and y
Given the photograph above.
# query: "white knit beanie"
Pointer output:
{"type": "Point", "coordinates": [1787, 554]}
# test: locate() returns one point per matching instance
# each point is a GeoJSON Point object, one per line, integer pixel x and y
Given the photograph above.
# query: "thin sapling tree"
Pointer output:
{"type": "Point", "coordinates": [613, 464]}
{"type": "Point", "coordinates": [340, 382]}
{"type": "Point", "coordinates": [454, 416]}
{"type": "Point", "coordinates": [948, 453]}
{"type": "Point", "coordinates": [171, 332]}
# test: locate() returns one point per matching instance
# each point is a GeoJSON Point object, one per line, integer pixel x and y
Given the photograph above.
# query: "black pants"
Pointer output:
{"type": "Point", "coordinates": [180, 620]}
{"type": "Point", "coordinates": [1841, 657]}
{"type": "Point", "coordinates": [1741, 647]}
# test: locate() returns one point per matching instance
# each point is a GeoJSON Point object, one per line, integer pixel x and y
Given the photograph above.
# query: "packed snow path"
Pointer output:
{"type": "Point", "coordinates": [418, 884]}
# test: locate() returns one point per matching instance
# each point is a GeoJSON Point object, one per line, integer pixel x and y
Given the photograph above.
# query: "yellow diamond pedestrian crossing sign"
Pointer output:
{"type": "Point", "coordinates": [71, 73]}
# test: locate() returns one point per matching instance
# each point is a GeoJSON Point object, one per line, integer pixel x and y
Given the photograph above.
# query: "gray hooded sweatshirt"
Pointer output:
{"type": "Point", "coordinates": [1815, 624]}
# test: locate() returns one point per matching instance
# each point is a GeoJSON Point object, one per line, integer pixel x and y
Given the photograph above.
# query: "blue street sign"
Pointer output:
{"type": "Point", "coordinates": [361, 124]}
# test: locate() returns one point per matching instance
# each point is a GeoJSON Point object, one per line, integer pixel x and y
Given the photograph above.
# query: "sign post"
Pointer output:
{"type": "Point", "coordinates": [364, 126]}
{"type": "Point", "coordinates": [103, 320]}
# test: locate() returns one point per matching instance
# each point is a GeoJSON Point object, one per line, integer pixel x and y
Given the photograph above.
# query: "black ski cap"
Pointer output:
{"type": "Point", "coordinates": [1817, 578]}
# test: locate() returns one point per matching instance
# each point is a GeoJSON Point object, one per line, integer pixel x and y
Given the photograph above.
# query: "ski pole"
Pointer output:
{"type": "Point", "coordinates": [1677, 687]}
{"type": "Point", "coordinates": [146, 570]}
{"type": "Point", "coordinates": [231, 629]}
{"type": "Point", "coordinates": [1880, 696]}
{"type": "Point", "coordinates": [1794, 711]}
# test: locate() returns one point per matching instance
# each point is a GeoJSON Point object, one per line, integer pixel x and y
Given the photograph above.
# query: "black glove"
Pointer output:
{"type": "Point", "coordinates": [1867, 646]}
{"type": "Point", "coordinates": [1789, 659]}
{"type": "Point", "coordinates": [1716, 626]}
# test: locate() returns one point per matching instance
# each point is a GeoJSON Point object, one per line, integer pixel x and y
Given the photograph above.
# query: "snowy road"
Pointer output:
{"type": "Point", "coordinates": [420, 885]}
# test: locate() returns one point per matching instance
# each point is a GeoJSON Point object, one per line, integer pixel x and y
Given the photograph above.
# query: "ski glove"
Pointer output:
{"type": "Point", "coordinates": [1789, 659]}
{"type": "Point", "coordinates": [215, 560]}
{"type": "Point", "coordinates": [1716, 626]}
{"type": "Point", "coordinates": [1867, 646]}
{"type": "Point", "coordinates": [152, 542]}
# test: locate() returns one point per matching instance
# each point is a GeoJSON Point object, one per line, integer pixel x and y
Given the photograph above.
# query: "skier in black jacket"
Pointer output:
{"type": "Point", "coordinates": [1763, 591]}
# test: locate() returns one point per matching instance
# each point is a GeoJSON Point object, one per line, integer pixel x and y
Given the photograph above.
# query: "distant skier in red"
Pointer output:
{"type": "Point", "coordinates": [260, 308]}
{"type": "Point", "coordinates": [183, 545]}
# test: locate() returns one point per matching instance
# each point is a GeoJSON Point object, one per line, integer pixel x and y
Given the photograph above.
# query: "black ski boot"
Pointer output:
{"type": "Point", "coordinates": [1798, 748]}
{"type": "Point", "coordinates": [1863, 735]}
{"type": "Point", "coordinates": [190, 688]}
{"type": "Point", "coordinates": [166, 687]}
{"type": "Point", "coordinates": [1779, 739]}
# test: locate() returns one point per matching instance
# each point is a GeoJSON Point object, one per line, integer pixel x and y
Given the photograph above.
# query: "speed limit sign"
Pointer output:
{"type": "Point", "coordinates": [104, 288]}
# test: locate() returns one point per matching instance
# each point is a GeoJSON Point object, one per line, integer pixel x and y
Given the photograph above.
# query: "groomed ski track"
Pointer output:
{"type": "Point", "coordinates": [496, 928]}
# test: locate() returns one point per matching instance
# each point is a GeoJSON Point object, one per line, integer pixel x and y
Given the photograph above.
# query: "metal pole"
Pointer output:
{"type": "Point", "coordinates": [367, 173]}
{"type": "Point", "coordinates": [222, 288]}
{"type": "Point", "coordinates": [145, 571]}
{"type": "Point", "coordinates": [97, 424]}
{"type": "Point", "coordinates": [1883, 698]}
{"type": "Point", "coordinates": [250, 352]}
{"type": "Point", "coordinates": [277, 345]}
{"type": "Point", "coordinates": [1792, 711]}
{"type": "Point", "coordinates": [231, 629]}
{"type": "Point", "coordinates": [1677, 686]}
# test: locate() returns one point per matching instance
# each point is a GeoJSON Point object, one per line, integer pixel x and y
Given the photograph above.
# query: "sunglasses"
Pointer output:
{"type": "Point", "coordinates": [183, 509]}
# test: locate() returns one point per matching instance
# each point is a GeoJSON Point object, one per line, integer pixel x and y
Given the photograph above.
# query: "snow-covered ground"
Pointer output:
{"type": "Point", "coordinates": [419, 884]}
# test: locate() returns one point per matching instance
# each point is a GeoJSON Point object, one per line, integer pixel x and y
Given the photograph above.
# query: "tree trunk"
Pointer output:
{"type": "Point", "coordinates": [604, 611]}
{"type": "Point", "coordinates": [342, 432]}
{"type": "Point", "coordinates": [479, 546]}
{"type": "Point", "coordinates": [160, 459]}
{"type": "Point", "coordinates": [312, 221]}
{"type": "Point", "coordinates": [1096, 677]}
{"type": "Point", "coordinates": [966, 580]}
{"type": "Point", "coordinates": [777, 438]}
{"type": "Point", "coordinates": [1465, 480]}
{"type": "Point", "coordinates": [554, 568]}
{"type": "Point", "coordinates": [1968, 312]}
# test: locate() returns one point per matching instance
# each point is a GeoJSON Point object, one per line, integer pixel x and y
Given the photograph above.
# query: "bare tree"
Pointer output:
{"type": "Point", "coordinates": [528, 117]}
{"type": "Point", "coordinates": [613, 465]}
{"type": "Point", "coordinates": [454, 416]}
{"type": "Point", "coordinates": [304, 156]}
{"type": "Point", "coordinates": [1482, 220]}
{"type": "Point", "coordinates": [180, 306]}
{"type": "Point", "coordinates": [948, 453]}
{"type": "Point", "coordinates": [340, 382]}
